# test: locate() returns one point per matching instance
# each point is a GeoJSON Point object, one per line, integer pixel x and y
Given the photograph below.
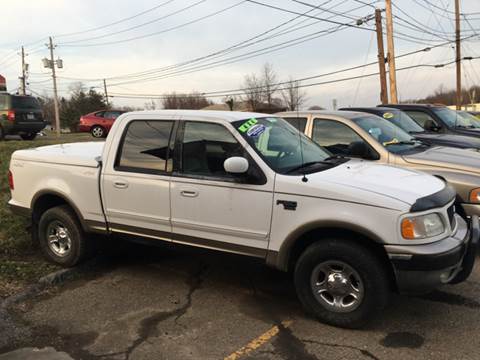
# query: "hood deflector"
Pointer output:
{"type": "Point", "coordinates": [436, 200]}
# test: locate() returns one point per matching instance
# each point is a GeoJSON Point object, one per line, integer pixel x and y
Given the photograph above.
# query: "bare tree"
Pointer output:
{"type": "Point", "coordinates": [269, 82]}
{"type": "Point", "coordinates": [150, 105]}
{"type": "Point", "coordinates": [193, 100]}
{"type": "Point", "coordinates": [253, 91]}
{"type": "Point", "coordinates": [292, 96]}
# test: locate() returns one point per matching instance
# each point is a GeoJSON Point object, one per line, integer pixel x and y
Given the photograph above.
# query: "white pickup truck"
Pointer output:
{"type": "Point", "coordinates": [247, 183]}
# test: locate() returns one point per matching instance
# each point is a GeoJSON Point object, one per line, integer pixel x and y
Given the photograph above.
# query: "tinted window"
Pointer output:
{"type": "Point", "coordinates": [25, 102]}
{"type": "Point", "coordinates": [335, 136]}
{"type": "Point", "coordinates": [206, 146]}
{"type": "Point", "coordinates": [3, 102]}
{"type": "Point", "coordinates": [99, 114]}
{"type": "Point", "coordinates": [145, 147]}
{"type": "Point", "coordinates": [298, 123]}
{"type": "Point", "coordinates": [111, 114]}
{"type": "Point", "coordinates": [402, 120]}
{"type": "Point", "coordinates": [451, 118]}
{"type": "Point", "coordinates": [420, 117]}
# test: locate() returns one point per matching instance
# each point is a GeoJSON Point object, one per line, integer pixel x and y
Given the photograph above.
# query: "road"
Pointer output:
{"type": "Point", "coordinates": [157, 303]}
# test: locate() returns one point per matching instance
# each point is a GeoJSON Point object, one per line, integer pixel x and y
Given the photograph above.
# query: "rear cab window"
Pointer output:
{"type": "Point", "coordinates": [299, 123]}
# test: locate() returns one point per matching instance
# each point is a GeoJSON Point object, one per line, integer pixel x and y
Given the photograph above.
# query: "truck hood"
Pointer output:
{"type": "Point", "coordinates": [464, 160]}
{"type": "Point", "coordinates": [367, 183]}
{"type": "Point", "coordinates": [450, 140]}
{"type": "Point", "coordinates": [77, 154]}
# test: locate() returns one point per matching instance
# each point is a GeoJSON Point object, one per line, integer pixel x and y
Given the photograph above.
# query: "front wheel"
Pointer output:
{"type": "Point", "coordinates": [341, 283]}
{"type": "Point", "coordinates": [61, 237]}
{"type": "Point", "coordinates": [29, 136]}
{"type": "Point", "coordinates": [98, 132]}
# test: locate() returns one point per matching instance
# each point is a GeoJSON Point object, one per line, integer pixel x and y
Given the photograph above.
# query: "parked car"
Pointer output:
{"type": "Point", "coordinates": [249, 183]}
{"type": "Point", "coordinates": [472, 120]}
{"type": "Point", "coordinates": [20, 115]}
{"type": "Point", "coordinates": [405, 122]}
{"type": "Point", "coordinates": [98, 123]}
{"type": "Point", "coordinates": [366, 136]}
{"type": "Point", "coordinates": [438, 119]}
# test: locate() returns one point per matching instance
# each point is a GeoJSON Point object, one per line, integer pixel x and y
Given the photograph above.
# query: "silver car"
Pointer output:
{"type": "Point", "coordinates": [370, 137]}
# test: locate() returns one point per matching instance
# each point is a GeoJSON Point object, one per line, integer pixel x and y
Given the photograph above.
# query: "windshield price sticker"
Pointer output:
{"type": "Point", "coordinates": [256, 130]}
{"type": "Point", "coordinates": [247, 125]}
{"type": "Point", "coordinates": [388, 115]}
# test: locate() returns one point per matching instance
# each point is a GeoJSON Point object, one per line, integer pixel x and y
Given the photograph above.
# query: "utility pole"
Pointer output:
{"type": "Point", "coordinates": [105, 90]}
{"type": "Point", "coordinates": [55, 94]}
{"type": "Point", "coordinates": [23, 79]}
{"type": "Point", "coordinates": [458, 57]}
{"type": "Point", "coordinates": [381, 57]}
{"type": "Point", "coordinates": [391, 53]}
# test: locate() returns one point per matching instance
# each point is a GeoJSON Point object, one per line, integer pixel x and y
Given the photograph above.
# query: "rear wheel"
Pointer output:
{"type": "Point", "coordinates": [29, 136]}
{"type": "Point", "coordinates": [98, 131]}
{"type": "Point", "coordinates": [61, 237]}
{"type": "Point", "coordinates": [341, 283]}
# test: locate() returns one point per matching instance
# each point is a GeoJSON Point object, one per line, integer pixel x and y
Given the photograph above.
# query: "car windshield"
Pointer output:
{"type": "Point", "coordinates": [403, 121]}
{"type": "Point", "coordinates": [25, 102]}
{"type": "Point", "coordinates": [451, 118]}
{"type": "Point", "coordinates": [472, 120]}
{"type": "Point", "coordinates": [390, 136]}
{"type": "Point", "coordinates": [282, 146]}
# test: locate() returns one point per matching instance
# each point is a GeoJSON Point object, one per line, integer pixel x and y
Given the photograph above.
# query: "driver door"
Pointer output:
{"type": "Point", "coordinates": [209, 207]}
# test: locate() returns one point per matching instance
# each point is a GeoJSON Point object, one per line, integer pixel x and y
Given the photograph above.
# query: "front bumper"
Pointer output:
{"type": "Point", "coordinates": [422, 268]}
{"type": "Point", "coordinates": [83, 128]}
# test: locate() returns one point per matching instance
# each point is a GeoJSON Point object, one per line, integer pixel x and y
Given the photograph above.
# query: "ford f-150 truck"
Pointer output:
{"type": "Point", "coordinates": [248, 183]}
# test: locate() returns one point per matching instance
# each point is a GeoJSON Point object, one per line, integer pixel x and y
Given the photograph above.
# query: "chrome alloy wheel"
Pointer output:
{"type": "Point", "coordinates": [97, 132]}
{"type": "Point", "coordinates": [337, 286]}
{"type": "Point", "coordinates": [59, 240]}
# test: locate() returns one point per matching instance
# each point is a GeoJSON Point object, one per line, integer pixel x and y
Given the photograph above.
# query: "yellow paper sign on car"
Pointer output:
{"type": "Point", "coordinates": [388, 115]}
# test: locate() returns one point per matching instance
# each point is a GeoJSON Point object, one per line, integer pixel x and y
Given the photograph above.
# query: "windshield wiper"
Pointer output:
{"type": "Point", "coordinates": [400, 143]}
{"type": "Point", "coordinates": [465, 126]}
{"type": "Point", "coordinates": [335, 157]}
{"type": "Point", "coordinates": [308, 164]}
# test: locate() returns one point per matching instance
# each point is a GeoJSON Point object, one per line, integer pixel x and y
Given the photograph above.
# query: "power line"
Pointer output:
{"type": "Point", "coordinates": [134, 27]}
{"type": "Point", "coordinates": [158, 32]}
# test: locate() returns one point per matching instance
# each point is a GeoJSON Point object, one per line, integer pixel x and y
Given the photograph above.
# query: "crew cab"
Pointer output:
{"type": "Point", "coordinates": [248, 183]}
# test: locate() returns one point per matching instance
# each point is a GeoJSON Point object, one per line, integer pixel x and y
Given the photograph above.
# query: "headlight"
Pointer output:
{"type": "Point", "coordinates": [421, 227]}
{"type": "Point", "coordinates": [475, 195]}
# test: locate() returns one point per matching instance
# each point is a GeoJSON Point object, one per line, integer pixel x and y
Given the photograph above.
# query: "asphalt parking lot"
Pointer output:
{"type": "Point", "coordinates": [155, 303]}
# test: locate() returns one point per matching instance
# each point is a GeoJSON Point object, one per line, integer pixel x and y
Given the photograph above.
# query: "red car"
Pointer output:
{"type": "Point", "coordinates": [98, 123]}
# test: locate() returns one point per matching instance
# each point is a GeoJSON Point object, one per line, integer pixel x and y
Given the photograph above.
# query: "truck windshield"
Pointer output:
{"type": "Point", "coordinates": [451, 118]}
{"type": "Point", "coordinates": [390, 136]}
{"type": "Point", "coordinates": [403, 121]}
{"type": "Point", "coordinates": [282, 146]}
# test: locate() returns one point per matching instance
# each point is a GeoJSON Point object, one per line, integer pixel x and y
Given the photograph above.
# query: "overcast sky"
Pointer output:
{"type": "Point", "coordinates": [90, 37]}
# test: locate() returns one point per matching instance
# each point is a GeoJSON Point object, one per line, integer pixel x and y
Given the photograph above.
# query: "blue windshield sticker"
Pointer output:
{"type": "Point", "coordinates": [256, 130]}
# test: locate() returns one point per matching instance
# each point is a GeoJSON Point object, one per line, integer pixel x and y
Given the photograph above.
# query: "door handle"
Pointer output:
{"type": "Point", "coordinates": [120, 184]}
{"type": "Point", "coordinates": [189, 193]}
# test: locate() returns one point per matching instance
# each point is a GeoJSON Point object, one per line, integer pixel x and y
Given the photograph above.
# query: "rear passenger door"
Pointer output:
{"type": "Point", "coordinates": [136, 189]}
{"type": "Point", "coordinates": [211, 208]}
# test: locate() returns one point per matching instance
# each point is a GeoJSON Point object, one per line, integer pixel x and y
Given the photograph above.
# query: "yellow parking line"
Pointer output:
{"type": "Point", "coordinates": [259, 341]}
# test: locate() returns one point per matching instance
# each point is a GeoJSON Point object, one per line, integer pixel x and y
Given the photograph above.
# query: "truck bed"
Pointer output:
{"type": "Point", "coordinates": [77, 154]}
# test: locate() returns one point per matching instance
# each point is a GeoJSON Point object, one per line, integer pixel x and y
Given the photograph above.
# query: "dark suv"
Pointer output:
{"type": "Point", "coordinates": [20, 115]}
{"type": "Point", "coordinates": [438, 119]}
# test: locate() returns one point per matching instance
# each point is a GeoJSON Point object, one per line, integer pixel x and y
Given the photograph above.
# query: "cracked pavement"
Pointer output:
{"type": "Point", "coordinates": [162, 303]}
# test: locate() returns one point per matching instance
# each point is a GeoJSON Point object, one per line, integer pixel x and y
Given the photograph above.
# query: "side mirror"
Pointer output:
{"type": "Point", "coordinates": [236, 165]}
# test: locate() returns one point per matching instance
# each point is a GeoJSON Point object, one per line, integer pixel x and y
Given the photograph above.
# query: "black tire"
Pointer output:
{"type": "Point", "coordinates": [80, 247]}
{"type": "Point", "coordinates": [98, 131]}
{"type": "Point", "coordinates": [373, 281]}
{"type": "Point", "coordinates": [29, 136]}
{"type": "Point", "coordinates": [2, 134]}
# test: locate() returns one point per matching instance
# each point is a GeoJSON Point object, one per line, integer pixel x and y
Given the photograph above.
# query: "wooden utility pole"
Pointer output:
{"type": "Point", "coordinates": [381, 57]}
{"type": "Point", "coordinates": [105, 90]}
{"type": "Point", "coordinates": [458, 57]}
{"type": "Point", "coordinates": [391, 53]}
{"type": "Point", "coordinates": [23, 79]}
{"type": "Point", "coordinates": [55, 94]}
